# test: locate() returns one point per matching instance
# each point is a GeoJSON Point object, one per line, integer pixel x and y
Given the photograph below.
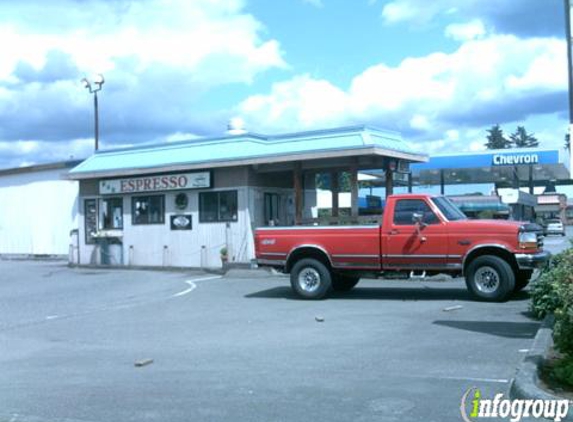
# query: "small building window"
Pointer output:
{"type": "Point", "coordinates": [111, 213]}
{"type": "Point", "coordinates": [218, 206]}
{"type": "Point", "coordinates": [148, 209]}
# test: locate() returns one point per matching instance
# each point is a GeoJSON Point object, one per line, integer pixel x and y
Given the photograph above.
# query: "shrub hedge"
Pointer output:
{"type": "Point", "coordinates": [553, 293]}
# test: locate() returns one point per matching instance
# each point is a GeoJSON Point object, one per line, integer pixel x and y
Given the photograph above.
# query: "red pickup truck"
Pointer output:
{"type": "Point", "coordinates": [418, 235]}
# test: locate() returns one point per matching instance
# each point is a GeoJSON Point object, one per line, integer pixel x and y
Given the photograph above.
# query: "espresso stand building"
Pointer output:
{"type": "Point", "coordinates": [182, 204]}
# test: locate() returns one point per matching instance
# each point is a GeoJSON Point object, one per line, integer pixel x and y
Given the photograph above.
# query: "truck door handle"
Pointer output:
{"type": "Point", "coordinates": [394, 231]}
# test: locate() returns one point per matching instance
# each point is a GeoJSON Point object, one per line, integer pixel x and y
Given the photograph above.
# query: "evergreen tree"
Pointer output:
{"type": "Point", "coordinates": [567, 142]}
{"type": "Point", "coordinates": [496, 139]}
{"type": "Point", "coordinates": [521, 139]}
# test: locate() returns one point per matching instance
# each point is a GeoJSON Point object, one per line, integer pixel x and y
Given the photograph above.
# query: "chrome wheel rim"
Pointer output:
{"type": "Point", "coordinates": [487, 279]}
{"type": "Point", "coordinates": [309, 280]}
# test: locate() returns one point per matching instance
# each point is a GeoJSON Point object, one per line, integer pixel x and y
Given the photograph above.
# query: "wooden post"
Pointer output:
{"type": "Point", "coordinates": [389, 182]}
{"type": "Point", "coordinates": [297, 184]}
{"type": "Point", "coordinates": [335, 189]}
{"type": "Point", "coordinates": [354, 190]}
{"type": "Point", "coordinates": [410, 182]}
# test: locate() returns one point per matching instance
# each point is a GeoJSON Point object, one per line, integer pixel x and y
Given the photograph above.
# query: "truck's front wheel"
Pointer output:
{"type": "Point", "coordinates": [310, 279]}
{"type": "Point", "coordinates": [490, 278]}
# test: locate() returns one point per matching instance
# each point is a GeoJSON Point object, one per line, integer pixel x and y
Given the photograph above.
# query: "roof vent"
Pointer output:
{"type": "Point", "coordinates": [236, 126]}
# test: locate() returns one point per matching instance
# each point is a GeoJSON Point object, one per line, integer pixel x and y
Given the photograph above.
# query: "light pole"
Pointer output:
{"type": "Point", "coordinates": [570, 79]}
{"type": "Point", "coordinates": [93, 88]}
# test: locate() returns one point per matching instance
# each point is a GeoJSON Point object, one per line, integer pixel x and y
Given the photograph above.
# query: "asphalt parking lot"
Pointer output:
{"type": "Point", "coordinates": [244, 348]}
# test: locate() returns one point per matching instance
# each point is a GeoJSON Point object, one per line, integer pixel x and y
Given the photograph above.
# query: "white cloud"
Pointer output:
{"type": "Point", "coordinates": [175, 33]}
{"type": "Point", "coordinates": [433, 97]}
{"type": "Point", "coordinates": [301, 102]}
{"type": "Point", "coordinates": [420, 122]}
{"type": "Point", "coordinates": [399, 11]}
{"type": "Point", "coordinates": [423, 11]}
{"type": "Point", "coordinates": [466, 31]}
{"type": "Point", "coordinates": [158, 57]}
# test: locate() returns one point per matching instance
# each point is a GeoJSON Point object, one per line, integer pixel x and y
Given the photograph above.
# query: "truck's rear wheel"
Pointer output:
{"type": "Point", "coordinates": [344, 283]}
{"type": "Point", "coordinates": [522, 279]}
{"type": "Point", "coordinates": [490, 278]}
{"type": "Point", "coordinates": [310, 279]}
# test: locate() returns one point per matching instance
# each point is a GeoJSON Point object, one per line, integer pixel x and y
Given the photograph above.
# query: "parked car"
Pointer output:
{"type": "Point", "coordinates": [554, 226]}
{"type": "Point", "coordinates": [418, 235]}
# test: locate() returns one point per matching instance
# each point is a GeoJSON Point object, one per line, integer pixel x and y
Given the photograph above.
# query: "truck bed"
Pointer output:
{"type": "Point", "coordinates": [349, 247]}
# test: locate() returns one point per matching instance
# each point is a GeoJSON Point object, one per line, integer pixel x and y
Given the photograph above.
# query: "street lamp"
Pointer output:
{"type": "Point", "coordinates": [93, 88]}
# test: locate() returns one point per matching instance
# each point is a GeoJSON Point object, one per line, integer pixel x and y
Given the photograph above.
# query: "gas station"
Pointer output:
{"type": "Point", "coordinates": [517, 184]}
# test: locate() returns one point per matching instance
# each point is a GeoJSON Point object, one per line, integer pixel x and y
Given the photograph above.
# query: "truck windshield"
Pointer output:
{"type": "Point", "coordinates": [449, 209]}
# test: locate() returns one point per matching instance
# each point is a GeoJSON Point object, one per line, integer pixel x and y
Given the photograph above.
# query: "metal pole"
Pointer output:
{"type": "Point", "coordinates": [570, 73]}
{"type": "Point", "coordinates": [96, 121]}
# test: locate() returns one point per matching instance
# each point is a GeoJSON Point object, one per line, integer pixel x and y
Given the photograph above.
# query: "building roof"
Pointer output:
{"type": "Point", "coordinates": [246, 149]}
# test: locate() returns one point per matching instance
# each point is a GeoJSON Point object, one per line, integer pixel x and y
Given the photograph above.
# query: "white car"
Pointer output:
{"type": "Point", "coordinates": [555, 226]}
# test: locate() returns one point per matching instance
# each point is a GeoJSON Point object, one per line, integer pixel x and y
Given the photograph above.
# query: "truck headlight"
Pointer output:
{"type": "Point", "coordinates": [527, 240]}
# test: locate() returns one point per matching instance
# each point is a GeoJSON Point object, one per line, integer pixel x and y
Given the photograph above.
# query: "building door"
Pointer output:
{"type": "Point", "coordinates": [272, 209]}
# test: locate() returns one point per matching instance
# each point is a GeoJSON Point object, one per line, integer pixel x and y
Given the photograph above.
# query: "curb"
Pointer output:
{"type": "Point", "coordinates": [525, 384]}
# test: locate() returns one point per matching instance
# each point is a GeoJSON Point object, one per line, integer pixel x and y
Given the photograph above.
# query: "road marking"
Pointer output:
{"type": "Point", "coordinates": [193, 286]}
{"type": "Point", "coordinates": [49, 317]}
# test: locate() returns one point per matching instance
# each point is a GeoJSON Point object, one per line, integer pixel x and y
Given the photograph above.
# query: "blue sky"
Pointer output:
{"type": "Point", "coordinates": [441, 71]}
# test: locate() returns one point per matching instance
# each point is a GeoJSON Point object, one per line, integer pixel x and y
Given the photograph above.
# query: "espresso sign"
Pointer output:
{"type": "Point", "coordinates": [180, 181]}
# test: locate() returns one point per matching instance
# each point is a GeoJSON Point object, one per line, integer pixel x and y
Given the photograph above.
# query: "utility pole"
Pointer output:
{"type": "Point", "coordinates": [568, 32]}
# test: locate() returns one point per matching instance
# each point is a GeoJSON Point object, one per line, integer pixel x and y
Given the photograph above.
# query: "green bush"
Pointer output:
{"type": "Point", "coordinates": [546, 293]}
{"type": "Point", "coordinates": [563, 371]}
{"type": "Point", "coordinates": [553, 293]}
{"type": "Point", "coordinates": [563, 329]}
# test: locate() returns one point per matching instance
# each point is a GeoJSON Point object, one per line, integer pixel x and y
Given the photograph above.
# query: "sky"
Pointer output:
{"type": "Point", "coordinates": [441, 72]}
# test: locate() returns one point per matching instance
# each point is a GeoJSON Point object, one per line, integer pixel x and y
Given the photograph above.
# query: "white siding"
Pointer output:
{"type": "Point", "coordinates": [145, 245]}
{"type": "Point", "coordinates": [37, 212]}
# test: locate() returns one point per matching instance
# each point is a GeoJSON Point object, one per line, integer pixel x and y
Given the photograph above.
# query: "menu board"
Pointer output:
{"type": "Point", "coordinates": [90, 209]}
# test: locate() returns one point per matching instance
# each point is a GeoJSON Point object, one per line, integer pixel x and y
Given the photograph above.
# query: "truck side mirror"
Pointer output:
{"type": "Point", "coordinates": [418, 220]}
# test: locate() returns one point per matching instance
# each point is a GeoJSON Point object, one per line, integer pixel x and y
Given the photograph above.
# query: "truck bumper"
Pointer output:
{"type": "Point", "coordinates": [527, 261]}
